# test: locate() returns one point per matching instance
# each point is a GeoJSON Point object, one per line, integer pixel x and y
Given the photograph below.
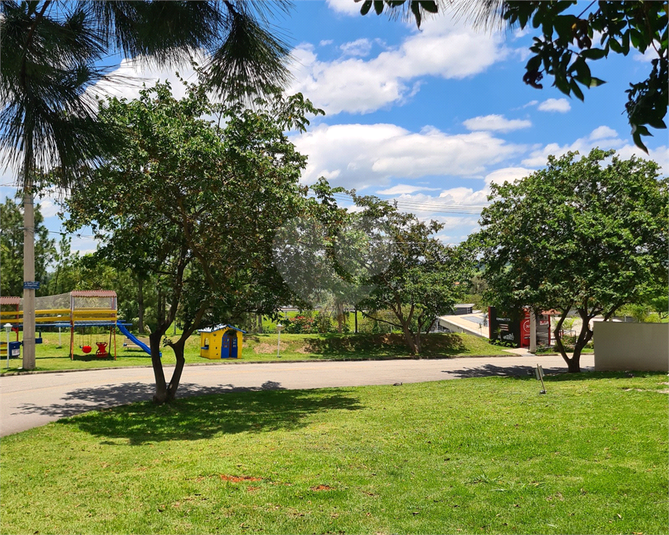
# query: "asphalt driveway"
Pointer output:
{"type": "Point", "coordinates": [31, 400]}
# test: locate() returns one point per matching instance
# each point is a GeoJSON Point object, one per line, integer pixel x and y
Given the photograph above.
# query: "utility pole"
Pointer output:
{"type": "Point", "coordinates": [28, 275]}
{"type": "Point", "coordinates": [533, 331]}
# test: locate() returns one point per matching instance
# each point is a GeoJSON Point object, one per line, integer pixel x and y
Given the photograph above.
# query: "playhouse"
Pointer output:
{"type": "Point", "coordinates": [221, 342]}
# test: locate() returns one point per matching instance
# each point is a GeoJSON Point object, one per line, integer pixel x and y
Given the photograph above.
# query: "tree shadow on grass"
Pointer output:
{"type": "Point", "coordinates": [200, 412]}
{"type": "Point", "coordinates": [491, 370]}
{"type": "Point", "coordinates": [550, 374]}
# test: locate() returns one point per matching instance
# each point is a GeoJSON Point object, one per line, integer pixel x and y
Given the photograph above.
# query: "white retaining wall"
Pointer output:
{"type": "Point", "coordinates": [631, 346]}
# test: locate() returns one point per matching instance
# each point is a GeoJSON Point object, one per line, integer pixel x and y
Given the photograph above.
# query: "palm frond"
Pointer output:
{"type": "Point", "coordinates": [485, 14]}
{"type": "Point", "coordinates": [250, 60]}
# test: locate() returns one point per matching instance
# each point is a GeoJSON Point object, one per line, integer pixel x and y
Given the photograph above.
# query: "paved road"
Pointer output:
{"type": "Point", "coordinates": [32, 400]}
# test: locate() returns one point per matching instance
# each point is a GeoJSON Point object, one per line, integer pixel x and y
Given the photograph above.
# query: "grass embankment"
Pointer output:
{"type": "Point", "coordinates": [258, 347]}
{"type": "Point", "coordinates": [486, 455]}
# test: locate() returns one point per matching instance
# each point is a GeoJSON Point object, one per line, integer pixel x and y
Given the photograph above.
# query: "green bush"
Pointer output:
{"type": "Point", "coordinates": [300, 325]}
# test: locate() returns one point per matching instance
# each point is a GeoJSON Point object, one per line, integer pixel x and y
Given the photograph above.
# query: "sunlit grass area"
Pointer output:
{"type": "Point", "coordinates": [485, 455]}
{"type": "Point", "coordinates": [54, 355]}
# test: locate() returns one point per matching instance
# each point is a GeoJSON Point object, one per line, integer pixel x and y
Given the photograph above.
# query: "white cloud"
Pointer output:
{"type": "Point", "coordinates": [403, 189]}
{"type": "Point", "coordinates": [560, 105]}
{"type": "Point", "coordinates": [84, 244]}
{"type": "Point", "coordinates": [602, 136]}
{"type": "Point", "coordinates": [367, 155]}
{"type": "Point", "coordinates": [362, 86]}
{"type": "Point", "coordinates": [496, 123]}
{"type": "Point", "coordinates": [605, 138]}
{"type": "Point", "coordinates": [507, 174]}
{"type": "Point", "coordinates": [649, 55]}
{"type": "Point", "coordinates": [127, 80]}
{"type": "Point", "coordinates": [345, 7]}
{"type": "Point", "coordinates": [359, 47]}
{"type": "Point", "coordinates": [48, 208]}
{"type": "Point", "coordinates": [325, 42]}
{"type": "Point", "coordinates": [602, 132]}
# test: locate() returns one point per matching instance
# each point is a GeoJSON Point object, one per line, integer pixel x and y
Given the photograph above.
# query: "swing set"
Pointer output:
{"type": "Point", "coordinates": [88, 309]}
{"type": "Point", "coordinates": [92, 309]}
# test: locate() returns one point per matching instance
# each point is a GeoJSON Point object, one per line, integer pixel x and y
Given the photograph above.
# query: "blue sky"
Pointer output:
{"type": "Point", "coordinates": [429, 117]}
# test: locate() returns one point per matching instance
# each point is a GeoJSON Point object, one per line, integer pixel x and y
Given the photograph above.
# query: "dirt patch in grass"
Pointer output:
{"type": "Point", "coordinates": [321, 488]}
{"type": "Point", "coordinates": [237, 479]}
{"type": "Point", "coordinates": [265, 348]}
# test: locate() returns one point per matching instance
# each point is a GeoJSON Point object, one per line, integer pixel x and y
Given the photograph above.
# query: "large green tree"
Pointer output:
{"type": "Point", "coordinates": [50, 57]}
{"type": "Point", "coordinates": [585, 233]}
{"type": "Point", "coordinates": [423, 276]}
{"type": "Point", "coordinates": [195, 203]}
{"type": "Point", "coordinates": [11, 248]}
{"type": "Point", "coordinates": [572, 35]}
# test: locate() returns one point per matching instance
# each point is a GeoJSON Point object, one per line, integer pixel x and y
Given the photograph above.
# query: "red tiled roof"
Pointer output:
{"type": "Point", "coordinates": [93, 293]}
{"type": "Point", "coordinates": [7, 300]}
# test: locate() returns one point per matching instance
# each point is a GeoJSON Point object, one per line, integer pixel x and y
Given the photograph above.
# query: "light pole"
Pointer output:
{"type": "Point", "coordinates": [8, 329]}
{"type": "Point", "coordinates": [279, 328]}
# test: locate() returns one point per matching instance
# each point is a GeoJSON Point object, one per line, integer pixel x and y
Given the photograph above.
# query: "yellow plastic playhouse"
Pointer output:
{"type": "Point", "coordinates": [221, 342]}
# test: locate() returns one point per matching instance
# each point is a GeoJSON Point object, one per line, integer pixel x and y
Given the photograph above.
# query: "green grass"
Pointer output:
{"type": "Point", "coordinates": [486, 455]}
{"type": "Point", "coordinates": [258, 347]}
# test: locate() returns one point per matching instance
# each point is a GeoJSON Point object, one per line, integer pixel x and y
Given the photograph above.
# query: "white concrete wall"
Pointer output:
{"type": "Point", "coordinates": [631, 346]}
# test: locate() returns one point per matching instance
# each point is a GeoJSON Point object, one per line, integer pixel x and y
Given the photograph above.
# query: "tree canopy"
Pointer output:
{"type": "Point", "coordinates": [423, 275]}
{"type": "Point", "coordinates": [571, 38]}
{"type": "Point", "coordinates": [195, 202]}
{"type": "Point", "coordinates": [588, 234]}
{"type": "Point", "coordinates": [51, 52]}
{"type": "Point", "coordinates": [11, 248]}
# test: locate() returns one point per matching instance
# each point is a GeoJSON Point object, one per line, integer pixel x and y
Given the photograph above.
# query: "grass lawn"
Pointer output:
{"type": "Point", "coordinates": [258, 347]}
{"type": "Point", "coordinates": [486, 455]}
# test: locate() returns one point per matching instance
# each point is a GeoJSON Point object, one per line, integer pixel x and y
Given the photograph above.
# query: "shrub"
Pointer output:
{"type": "Point", "coordinates": [300, 325]}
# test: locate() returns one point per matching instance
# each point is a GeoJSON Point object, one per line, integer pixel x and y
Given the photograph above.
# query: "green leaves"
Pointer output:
{"type": "Point", "coordinates": [565, 47]}
{"type": "Point", "coordinates": [581, 233]}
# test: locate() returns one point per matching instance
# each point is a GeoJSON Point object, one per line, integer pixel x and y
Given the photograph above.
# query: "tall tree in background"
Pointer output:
{"type": "Point", "coordinates": [572, 36]}
{"type": "Point", "coordinates": [581, 234]}
{"type": "Point", "coordinates": [11, 247]}
{"type": "Point", "coordinates": [423, 277]}
{"type": "Point", "coordinates": [50, 52]}
{"type": "Point", "coordinates": [195, 205]}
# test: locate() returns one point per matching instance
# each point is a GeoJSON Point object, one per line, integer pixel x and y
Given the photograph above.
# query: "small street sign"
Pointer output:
{"type": "Point", "coordinates": [31, 285]}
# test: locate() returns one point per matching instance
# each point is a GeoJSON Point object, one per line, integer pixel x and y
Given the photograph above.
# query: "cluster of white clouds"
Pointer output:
{"type": "Point", "coordinates": [386, 159]}
{"type": "Point", "coordinates": [360, 156]}
{"type": "Point", "coordinates": [496, 123]}
{"type": "Point", "coordinates": [356, 84]}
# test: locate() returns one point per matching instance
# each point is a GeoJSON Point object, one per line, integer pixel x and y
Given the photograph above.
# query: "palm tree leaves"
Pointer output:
{"type": "Point", "coordinates": [47, 64]}
{"type": "Point", "coordinates": [51, 52]}
{"type": "Point", "coordinates": [250, 60]}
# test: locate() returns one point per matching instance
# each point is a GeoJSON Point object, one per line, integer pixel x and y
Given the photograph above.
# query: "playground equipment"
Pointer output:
{"type": "Point", "coordinates": [102, 349]}
{"type": "Point", "coordinates": [78, 309]}
{"type": "Point", "coordinates": [221, 342]}
{"type": "Point", "coordinates": [11, 306]}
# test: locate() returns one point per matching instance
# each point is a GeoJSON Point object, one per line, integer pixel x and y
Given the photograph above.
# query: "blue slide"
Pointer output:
{"type": "Point", "coordinates": [141, 344]}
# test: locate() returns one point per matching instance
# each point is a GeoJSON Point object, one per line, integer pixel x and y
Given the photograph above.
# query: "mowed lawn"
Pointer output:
{"type": "Point", "coordinates": [52, 355]}
{"type": "Point", "coordinates": [483, 455]}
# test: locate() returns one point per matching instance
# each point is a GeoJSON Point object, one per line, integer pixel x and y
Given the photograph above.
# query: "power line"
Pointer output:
{"type": "Point", "coordinates": [431, 206]}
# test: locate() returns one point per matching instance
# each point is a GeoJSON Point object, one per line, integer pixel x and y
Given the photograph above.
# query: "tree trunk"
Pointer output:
{"type": "Point", "coordinates": [572, 365]}
{"type": "Point", "coordinates": [161, 395]}
{"type": "Point", "coordinates": [583, 338]}
{"type": "Point", "coordinates": [178, 348]}
{"type": "Point", "coordinates": [409, 339]}
{"type": "Point", "coordinates": [340, 317]}
{"type": "Point", "coordinates": [140, 305]}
